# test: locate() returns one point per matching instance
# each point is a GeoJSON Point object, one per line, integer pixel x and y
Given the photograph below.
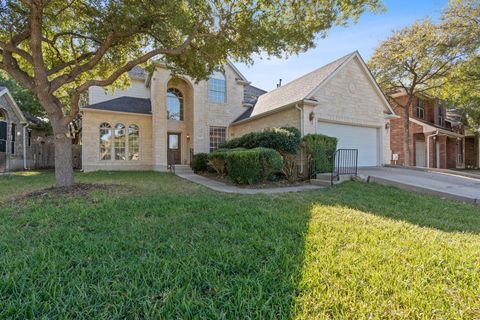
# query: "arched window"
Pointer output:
{"type": "Point", "coordinates": [174, 104]}
{"type": "Point", "coordinates": [120, 142]}
{"type": "Point", "coordinates": [217, 87]}
{"type": "Point", "coordinates": [133, 145]}
{"type": "Point", "coordinates": [105, 141]}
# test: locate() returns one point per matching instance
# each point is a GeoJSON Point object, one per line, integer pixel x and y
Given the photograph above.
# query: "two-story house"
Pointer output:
{"type": "Point", "coordinates": [159, 120]}
{"type": "Point", "coordinates": [436, 135]}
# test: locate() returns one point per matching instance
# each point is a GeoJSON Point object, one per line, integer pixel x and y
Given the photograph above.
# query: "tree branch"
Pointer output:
{"type": "Point", "coordinates": [12, 48]}
{"type": "Point", "coordinates": [67, 64]}
{"type": "Point", "coordinates": [74, 108]}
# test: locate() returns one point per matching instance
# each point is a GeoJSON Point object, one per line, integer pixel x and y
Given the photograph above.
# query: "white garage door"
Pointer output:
{"type": "Point", "coordinates": [351, 137]}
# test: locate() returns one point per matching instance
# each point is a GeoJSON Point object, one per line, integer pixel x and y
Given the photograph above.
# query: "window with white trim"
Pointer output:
{"type": "Point", "coordinates": [217, 87]}
{"type": "Point", "coordinates": [174, 104]}
{"type": "Point", "coordinates": [420, 109]}
{"type": "Point", "coordinates": [217, 137]}
{"type": "Point", "coordinates": [133, 142]}
{"type": "Point", "coordinates": [105, 141]}
{"type": "Point", "coordinates": [119, 142]}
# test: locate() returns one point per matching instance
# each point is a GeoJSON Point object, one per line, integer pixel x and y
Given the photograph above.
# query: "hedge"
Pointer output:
{"type": "Point", "coordinates": [200, 162]}
{"type": "Point", "coordinates": [218, 160]}
{"type": "Point", "coordinates": [253, 165]}
{"type": "Point", "coordinates": [284, 140]}
{"type": "Point", "coordinates": [321, 149]}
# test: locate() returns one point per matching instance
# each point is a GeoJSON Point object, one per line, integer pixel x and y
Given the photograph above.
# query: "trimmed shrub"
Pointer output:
{"type": "Point", "coordinates": [253, 165]}
{"type": "Point", "coordinates": [320, 149]}
{"type": "Point", "coordinates": [271, 162]}
{"type": "Point", "coordinates": [244, 166]}
{"type": "Point", "coordinates": [200, 162]}
{"type": "Point", "coordinates": [284, 140]}
{"type": "Point", "coordinates": [218, 160]}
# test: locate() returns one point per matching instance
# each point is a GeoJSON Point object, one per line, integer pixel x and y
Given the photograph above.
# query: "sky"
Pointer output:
{"type": "Point", "coordinates": [363, 36]}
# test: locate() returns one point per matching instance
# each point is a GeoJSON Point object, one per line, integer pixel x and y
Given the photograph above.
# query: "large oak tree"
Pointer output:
{"type": "Point", "coordinates": [415, 60]}
{"type": "Point", "coordinates": [57, 49]}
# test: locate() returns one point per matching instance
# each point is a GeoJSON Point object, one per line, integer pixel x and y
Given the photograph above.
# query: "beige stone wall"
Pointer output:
{"type": "Point", "coordinates": [137, 89]}
{"type": "Point", "coordinates": [287, 118]}
{"type": "Point", "coordinates": [91, 142]}
{"type": "Point", "coordinates": [350, 98]}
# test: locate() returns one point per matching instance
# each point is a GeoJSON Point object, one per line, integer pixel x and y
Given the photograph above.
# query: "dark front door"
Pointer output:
{"type": "Point", "coordinates": [174, 148]}
{"type": "Point", "coordinates": [3, 146]}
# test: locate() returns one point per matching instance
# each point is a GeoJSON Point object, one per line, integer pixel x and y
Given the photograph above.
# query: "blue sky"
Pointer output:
{"type": "Point", "coordinates": [363, 36]}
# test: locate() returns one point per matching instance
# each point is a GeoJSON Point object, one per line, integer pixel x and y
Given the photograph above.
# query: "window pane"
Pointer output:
{"type": "Point", "coordinates": [173, 141]}
{"type": "Point", "coordinates": [133, 146]}
{"type": "Point", "coordinates": [217, 137]}
{"type": "Point", "coordinates": [217, 88]}
{"type": "Point", "coordinates": [174, 105]}
{"type": "Point", "coordinates": [119, 142]}
{"type": "Point", "coordinates": [105, 142]}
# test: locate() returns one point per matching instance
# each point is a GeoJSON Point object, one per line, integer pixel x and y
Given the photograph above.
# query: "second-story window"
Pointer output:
{"type": "Point", "coordinates": [420, 109]}
{"type": "Point", "coordinates": [441, 117]}
{"type": "Point", "coordinates": [217, 88]}
{"type": "Point", "coordinates": [174, 104]}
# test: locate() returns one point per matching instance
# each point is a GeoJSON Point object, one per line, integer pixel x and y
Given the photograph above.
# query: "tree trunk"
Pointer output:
{"type": "Point", "coordinates": [63, 156]}
{"type": "Point", "coordinates": [406, 131]}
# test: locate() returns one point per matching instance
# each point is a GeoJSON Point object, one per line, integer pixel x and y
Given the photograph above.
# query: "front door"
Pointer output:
{"type": "Point", "coordinates": [174, 148]}
{"type": "Point", "coordinates": [3, 146]}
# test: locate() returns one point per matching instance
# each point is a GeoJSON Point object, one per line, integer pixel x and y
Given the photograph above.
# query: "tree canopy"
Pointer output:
{"type": "Point", "coordinates": [23, 97]}
{"type": "Point", "coordinates": [58, 49]}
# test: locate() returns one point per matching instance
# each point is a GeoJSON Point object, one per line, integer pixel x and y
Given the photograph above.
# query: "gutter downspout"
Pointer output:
{"type": "Point", "coordinates": [428, 147]}
{"type": "Point", "coordinates": [25, 146]}
{"type": "Point", "coordinates": [302, 132]}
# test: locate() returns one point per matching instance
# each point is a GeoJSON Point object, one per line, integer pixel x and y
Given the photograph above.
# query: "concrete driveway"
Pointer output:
{"type": "Point", "coordinates": [436, 183]}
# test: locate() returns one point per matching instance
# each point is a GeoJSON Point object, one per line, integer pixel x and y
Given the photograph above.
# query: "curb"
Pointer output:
{"type": "Point", "coordinates": [447, 171]}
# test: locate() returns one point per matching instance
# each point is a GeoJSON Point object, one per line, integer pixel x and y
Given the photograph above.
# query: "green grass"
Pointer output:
{"type": "Point", "coordinates": [154, 246]}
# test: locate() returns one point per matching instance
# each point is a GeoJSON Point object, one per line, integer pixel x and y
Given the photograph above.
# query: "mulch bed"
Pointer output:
{"type": "Point", "coordinates": [261, 185]}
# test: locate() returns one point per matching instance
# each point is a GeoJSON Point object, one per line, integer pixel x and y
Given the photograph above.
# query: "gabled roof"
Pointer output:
{"type": "Point", "coordinates": [124, 104]}
{"type": "Point", "coordinates": [306, 86]}
{"type": "Point", "coordinates": [16, 108]}
{"type": "Point", "coordinates": [298, 89]}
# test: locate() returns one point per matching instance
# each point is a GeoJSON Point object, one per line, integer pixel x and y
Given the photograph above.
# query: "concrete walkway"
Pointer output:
{"type": "Point", "coordinates": [446, 185]}
{"type": "Point", "coordinates": [223, 187]}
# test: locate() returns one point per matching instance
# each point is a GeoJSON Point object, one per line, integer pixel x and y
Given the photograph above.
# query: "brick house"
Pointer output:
{"type": "Point", "coordinates": [436, 137]}
{"type": "Point", "coordinates": [472, 149]}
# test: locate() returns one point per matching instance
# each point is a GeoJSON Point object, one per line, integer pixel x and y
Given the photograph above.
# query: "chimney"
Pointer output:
{"type": "Point", "coordinates": [279, 84]}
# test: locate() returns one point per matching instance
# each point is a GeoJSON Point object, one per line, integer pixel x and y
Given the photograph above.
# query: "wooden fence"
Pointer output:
{"type": "Point", "coordinates": [41, 155]}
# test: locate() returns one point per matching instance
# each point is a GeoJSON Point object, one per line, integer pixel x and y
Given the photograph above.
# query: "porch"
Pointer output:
{"type": "Point", "coordinates": [438, 150]}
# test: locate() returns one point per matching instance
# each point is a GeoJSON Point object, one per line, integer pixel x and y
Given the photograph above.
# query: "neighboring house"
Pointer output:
{"type": "Point", "coordinates": [159, 119]}
{"type": "Point", "coordinates": [472, 149]}
{"type": "Point", "coordinates": [17, 134]}
{"type": "Point", "coordinates": [436, 135]}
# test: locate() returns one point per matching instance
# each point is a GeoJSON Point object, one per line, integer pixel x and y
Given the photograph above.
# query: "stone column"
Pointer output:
{"type": "Point", "coordinates": [159, 118]}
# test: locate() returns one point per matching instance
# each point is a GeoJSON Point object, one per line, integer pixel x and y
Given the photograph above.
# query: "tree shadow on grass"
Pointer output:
{"type": "Point", "coordinates": [421, 210]}
{"type": "Point", "coordinates": [167, 256]}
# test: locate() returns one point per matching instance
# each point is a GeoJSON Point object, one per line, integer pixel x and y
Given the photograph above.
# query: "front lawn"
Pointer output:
{"type": "Point", "coordinates": [151, 245]}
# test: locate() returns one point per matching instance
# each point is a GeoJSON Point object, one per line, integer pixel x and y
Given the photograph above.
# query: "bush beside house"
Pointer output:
{"type": "Point", "coordinates": [253, 165]}
{"type": "Point", "coordinates": [320, 150]}
{"type": "Point", "coordinates": [200, 162]}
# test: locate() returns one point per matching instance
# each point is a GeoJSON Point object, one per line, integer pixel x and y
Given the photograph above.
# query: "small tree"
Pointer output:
{"type": "Point", "coordinates": [415, 60]}
{"type": "Point", "coordinates": [58, 49]}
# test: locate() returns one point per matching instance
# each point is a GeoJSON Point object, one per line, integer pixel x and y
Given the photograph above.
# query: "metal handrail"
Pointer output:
{"type": "Point", "coordinates": [171, 162]}
{"type": "Point", "coordinates": [345, 161]}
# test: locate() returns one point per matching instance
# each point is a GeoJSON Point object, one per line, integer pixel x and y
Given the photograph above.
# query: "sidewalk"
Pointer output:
{"type": "Point", "coordinates": [223, 187]}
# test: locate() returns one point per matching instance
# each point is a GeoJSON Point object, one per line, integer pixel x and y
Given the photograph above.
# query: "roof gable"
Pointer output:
{"type": "Point", "coordinates": [306, 86]}
{"type": "Point", "coordinates": [298, 89]}
{"type": "Point", "coordinates": [13, 104]}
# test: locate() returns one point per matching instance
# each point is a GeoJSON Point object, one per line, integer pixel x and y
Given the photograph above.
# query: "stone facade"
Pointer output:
{"type": "Point", "coordinates": [199, 115]}
{"type": "Point", "coordinates": [349, 97]}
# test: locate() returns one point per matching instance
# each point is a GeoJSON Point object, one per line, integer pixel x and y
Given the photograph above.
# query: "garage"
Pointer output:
{"type": "Point", "coordinates": [364, 139]}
